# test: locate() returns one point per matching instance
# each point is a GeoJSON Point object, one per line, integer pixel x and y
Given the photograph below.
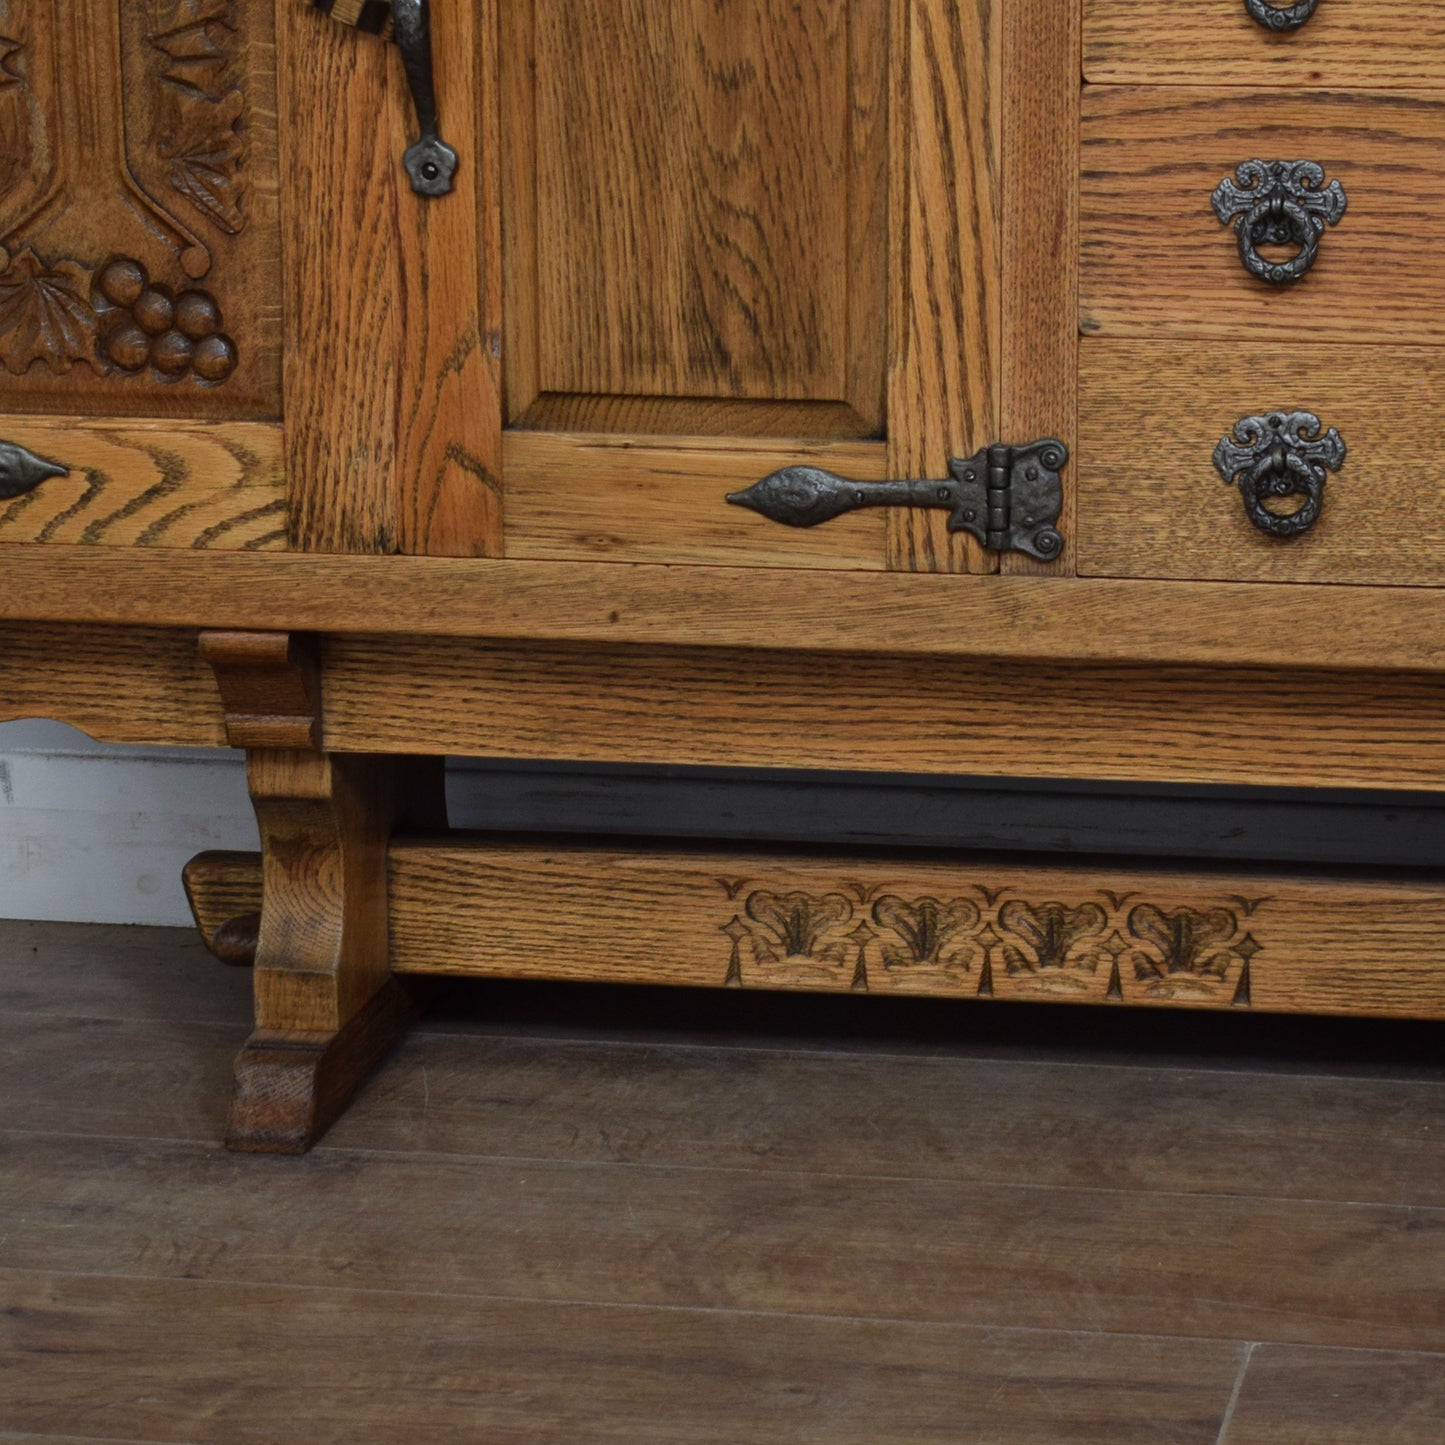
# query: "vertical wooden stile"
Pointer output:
{"type": "Point", "coordinates": [393, 362]}
{"type": "Point", "coordinates": [945, 322]}
{"type": "Point", "coordinates": [1041, 102]}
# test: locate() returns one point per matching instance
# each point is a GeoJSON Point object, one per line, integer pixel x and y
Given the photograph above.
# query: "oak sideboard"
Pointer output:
{"type": "Point", "coordinates": [1001, 388]}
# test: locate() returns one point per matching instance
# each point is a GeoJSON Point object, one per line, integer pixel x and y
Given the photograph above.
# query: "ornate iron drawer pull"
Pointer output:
{"type": "Point", "coordinates": [22, 471]}
{"type": "Point", "coordinates": [1280, 454]}
{"type": "Point", "coordinates": [1276, 202]}
{"type": "Point", "coordinates": [1275, 17]}
{"type": "Point", "coordinates": [1007, 497]}
{"type": "Point", "coordinates": [430, 162]}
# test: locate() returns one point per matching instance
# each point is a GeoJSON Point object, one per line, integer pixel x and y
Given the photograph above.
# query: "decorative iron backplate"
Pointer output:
{"type": "Point", "coordinates": [1280, 17]}
{"type": "Point", "coordinates": [1279, 203]}
{"type": "Point", "coordinates": [1280, 454]}
{"type": "Point", "coordinates": [1007, 497]}
{"type": "Point", "coordinates": [22, 471]}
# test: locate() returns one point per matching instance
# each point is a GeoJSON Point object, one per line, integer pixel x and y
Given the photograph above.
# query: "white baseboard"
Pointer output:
{"type": "Point", "coordinates": [91, 833]}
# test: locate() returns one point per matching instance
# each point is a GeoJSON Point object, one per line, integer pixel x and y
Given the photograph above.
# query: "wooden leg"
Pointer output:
{"type": "Point", "coordinates": [327, 1007]}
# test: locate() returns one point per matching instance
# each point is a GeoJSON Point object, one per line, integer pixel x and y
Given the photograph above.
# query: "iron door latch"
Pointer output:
{"type": "Point", "coordinates": [1007, 497]}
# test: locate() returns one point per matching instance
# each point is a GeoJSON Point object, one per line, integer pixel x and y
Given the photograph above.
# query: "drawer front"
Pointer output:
{"type": "Point", "coordinates": [1215, 42]}
{"type": "Point", "coordinates": [1153, 504]}
{"type": "Point", "coordinates": [1157, 261]}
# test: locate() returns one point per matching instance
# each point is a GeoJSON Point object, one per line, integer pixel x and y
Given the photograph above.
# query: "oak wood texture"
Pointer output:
{"type": "Point", "coordinates": [1155, 724]}
{"type": "Point", "coordinates": [1152, 504]}
{"type": "Point", "coordinates": [652, 499]}
{"type": "Point", "coordinates": [969, 928]}
{"type": "Point", "coordinates": [291, 1084]}
{"type": "Point", "coordinates": [944, 304]}
{"type": "Point", "coordinates": [1100, 620]}
{"type": "Point", "coordinates": [270, 685]}
{"type": "Point", "coordinates": [223, 889]}
{"type": "Point", "coordinates": [696, 202]}
{"type": "Point", "coordinates": [1214, 42]}
{"type": "Point", "coordinates": [393, 390]}
{"type": "Point", "coordinates": [1040, 243]}
{"type": "Point", "coordinates": [1156, 262]}
{"type": "Point", "coordinates": [120, 685]}
{"type": "Point", "coordinates": [139, 265]}
{"type": "Point", "coordinates": [327, 1008]}
{"type": "Point", "coordinates": [142, 482]}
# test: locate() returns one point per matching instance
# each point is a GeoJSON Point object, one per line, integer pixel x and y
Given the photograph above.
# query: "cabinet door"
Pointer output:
{"type": "Point", "coordinates": [690, 242]}
{"type": "Point", "coordinates": [140, 336]}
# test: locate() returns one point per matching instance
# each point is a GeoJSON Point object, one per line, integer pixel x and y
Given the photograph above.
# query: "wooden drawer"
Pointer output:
{"type": "Point", "coordinates": [1156, 261]}
{"type": "Point", "coordinates": [1215, 42]}
{"type": "Point", "coordinates": [1152, 504]}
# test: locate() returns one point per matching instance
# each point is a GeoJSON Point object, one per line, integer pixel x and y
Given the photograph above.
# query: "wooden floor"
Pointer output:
{"type": "Point", "coordinates": [608, 1215]}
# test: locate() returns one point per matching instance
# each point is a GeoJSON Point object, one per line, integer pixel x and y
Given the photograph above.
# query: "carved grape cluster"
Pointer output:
{"type": "Point", "coordinates": [145, 323]}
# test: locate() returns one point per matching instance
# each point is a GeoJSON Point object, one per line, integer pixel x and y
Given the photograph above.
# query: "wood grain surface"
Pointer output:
{"type": "Point", "coordinates": [1231, 625]}
{"type": "Point", "coordinates": [1215, 42]}
{"type": "Point", "coordinates": [1011, 1254]}
{"type": "Point", "coordinates": [137, 482]}
{"type": "Point", "coordinates": [694, 1177]}
{"type": "Point", "coordinates": [1040, 243]}
{"type": "Point", "coordinates": [1156, 262]}
{"type": "Point", "coordinates": [944, 301]}
{"type": "Point", "coordinates": [1146, 402]}
{"type": "Point", "coordinates": [967, 928]}
{"type": "Point", "coordinates": [120, 685]}
{"type": "Point", "coordinates": [495, 1366]}
{"type": "Point", "coordinates": [393, 348]}
{"type": "Point", "coordinates": [655, 499]}
{"type": "Point", "coordinates": [1157, 723]}
{"type": "Point", "coordinates": [705, 189]}
{"type": "Point", "coordinates": [223, 890]}
{"type": "Point", "coordinates": [1298, 1396]}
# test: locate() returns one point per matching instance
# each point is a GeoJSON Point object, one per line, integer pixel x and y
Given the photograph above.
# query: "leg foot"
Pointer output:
{"type": "Point", "coordinates": [291, 1085]}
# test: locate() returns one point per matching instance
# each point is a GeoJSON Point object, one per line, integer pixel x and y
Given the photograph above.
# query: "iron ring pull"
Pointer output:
{"type": "Point", "coordinates": [1277, 455]}
{"type": "Point", "coordinates": [1277, 18]}
{"type": "Point", "coordinates": [1278, 202]}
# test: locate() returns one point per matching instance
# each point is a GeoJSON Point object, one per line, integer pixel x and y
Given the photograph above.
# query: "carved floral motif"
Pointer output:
{"type": "Point", "coordinates": [198, 129]}
{"type": "Point", "coordinates": [58, 310]}
{"type": "Point", "coordinates": [992, 943]}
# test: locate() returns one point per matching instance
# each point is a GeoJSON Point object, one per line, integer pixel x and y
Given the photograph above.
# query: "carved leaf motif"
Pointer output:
{"type": "Point", "coordinates": [1181, 942]}
{"type": "Point", "coordinates": [929, 930]}
{"type": "Point", "coordinates": [792, 925]}
{"type": "Point", "coordinates": [1050, 931]}
{"type": "Point", "coordinates": [45, 314]}
{"type": "Point", "coordinates": [205, 152]}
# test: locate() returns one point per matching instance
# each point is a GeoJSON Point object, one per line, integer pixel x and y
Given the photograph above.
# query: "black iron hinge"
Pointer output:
{"type": "Point", "coordinates": [1008, 497]}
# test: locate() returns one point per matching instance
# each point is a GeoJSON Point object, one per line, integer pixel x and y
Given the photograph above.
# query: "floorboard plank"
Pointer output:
{"type": "Point", "coordinates": [1294, 1396]}
{"type": "Point", "coordinates": [932, 1251]}
{"type": "Point", "coordinates": [99, 970]}
{"type": "Point", "coordinates": [181, 1360]}
{"type": "Point", "coordinates": [972, 1120]}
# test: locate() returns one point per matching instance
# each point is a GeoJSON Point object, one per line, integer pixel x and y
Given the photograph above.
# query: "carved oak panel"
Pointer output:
{"type": "Point", "coordinates": [139, 242]}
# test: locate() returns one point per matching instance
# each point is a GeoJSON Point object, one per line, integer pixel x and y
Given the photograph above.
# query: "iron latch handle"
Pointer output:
{"type": "Point", "coordinates": [429, 161]}
{"type": "Point", "coordinates": [22, 471]}
{"type": "Point", "coordinates": [1008, 497]}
